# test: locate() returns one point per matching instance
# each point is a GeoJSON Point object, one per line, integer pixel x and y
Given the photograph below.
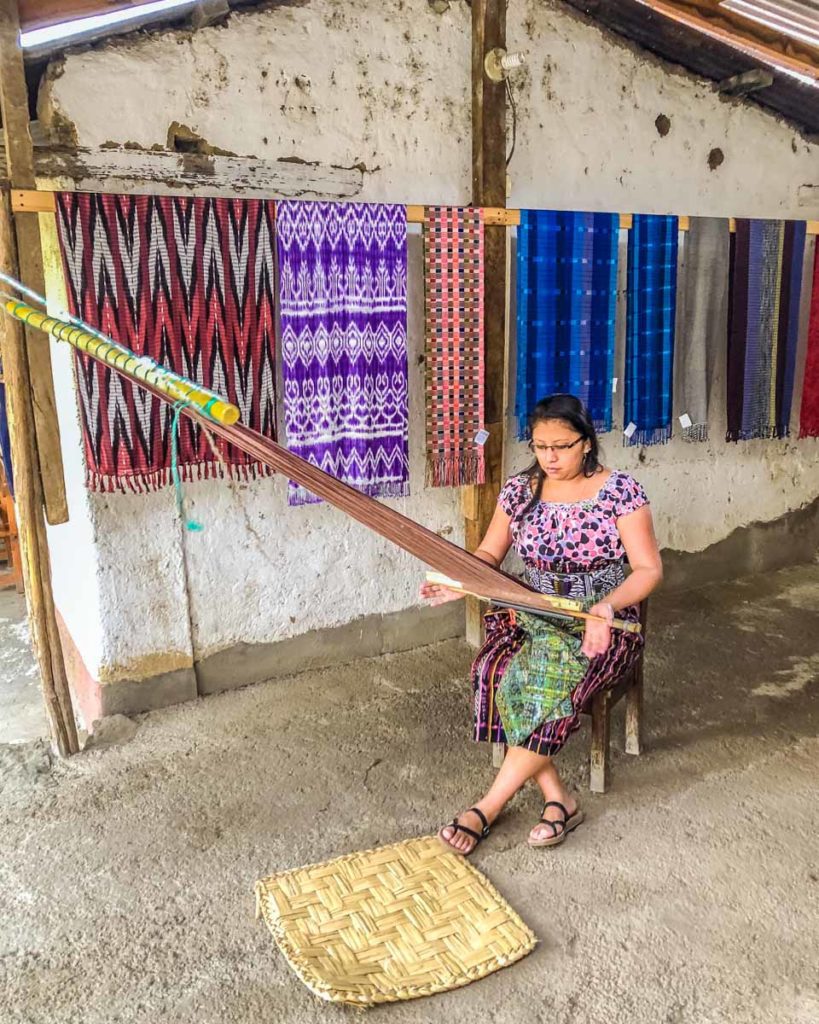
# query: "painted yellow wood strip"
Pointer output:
{"type": "Point", "coordinates": [30, 201]}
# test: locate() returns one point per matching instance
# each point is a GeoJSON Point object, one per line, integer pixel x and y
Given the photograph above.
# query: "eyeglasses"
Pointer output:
{"type": "Point", "coordinates": [544, 449]}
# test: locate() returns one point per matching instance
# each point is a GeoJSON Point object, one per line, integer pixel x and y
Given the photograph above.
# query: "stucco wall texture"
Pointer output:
{"type": "Point", "coordinates": [385, 86]}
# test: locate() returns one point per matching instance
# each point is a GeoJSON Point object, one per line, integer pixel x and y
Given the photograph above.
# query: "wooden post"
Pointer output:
{"type": "Point", "coordinates": [599, 762]}
{"type": "Point", "coordinates": [489, 189]}
{"type": "Point", "coordinates": [634, 715]}
{"type": "Point", "coordinates": [29, 498]}
{"type": "Point", "coordinates": [20, 161]}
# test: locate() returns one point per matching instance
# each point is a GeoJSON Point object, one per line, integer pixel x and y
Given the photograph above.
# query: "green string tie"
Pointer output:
{"type": "Point", "coordinates": [190, 524]}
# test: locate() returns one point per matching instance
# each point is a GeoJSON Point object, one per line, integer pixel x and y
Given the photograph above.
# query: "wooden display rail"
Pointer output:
{"type": "Point", "coordinates": [29, 201]}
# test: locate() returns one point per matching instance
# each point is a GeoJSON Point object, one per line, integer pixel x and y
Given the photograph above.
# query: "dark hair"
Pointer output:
{"type": "Point", "coordinates": [572, 411]}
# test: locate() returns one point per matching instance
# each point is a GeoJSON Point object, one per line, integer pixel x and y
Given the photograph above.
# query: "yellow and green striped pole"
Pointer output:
{"type": "Point", "coordinates": [143, 368]}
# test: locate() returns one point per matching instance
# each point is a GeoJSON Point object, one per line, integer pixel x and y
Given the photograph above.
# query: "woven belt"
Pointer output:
{"type": "Point", "coordinates": [578, 585]}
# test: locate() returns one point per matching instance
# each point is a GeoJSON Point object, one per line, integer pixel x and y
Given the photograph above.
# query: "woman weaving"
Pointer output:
{"type": "Point", "coordinates": [574, 523]}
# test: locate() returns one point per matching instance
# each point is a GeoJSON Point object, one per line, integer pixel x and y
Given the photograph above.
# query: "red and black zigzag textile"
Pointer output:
{"type": "Point", "coordinates": [189, 282]}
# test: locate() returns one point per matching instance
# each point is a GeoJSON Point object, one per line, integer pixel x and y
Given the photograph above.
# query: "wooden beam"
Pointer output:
{"type": "Point", "coordinates": [20, 161]}
{"type": "Point", "coordinates": [31, 521]}
{"type": "Point", "coordinates": [103, 170]}
{"type": "Point", "coordinates": [42, 201]}
{"type": "Point", "coordinates": [489, 190]}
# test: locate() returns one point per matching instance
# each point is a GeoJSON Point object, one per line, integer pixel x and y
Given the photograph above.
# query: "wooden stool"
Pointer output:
{"type": "Point", "coordinates": [630, 686]}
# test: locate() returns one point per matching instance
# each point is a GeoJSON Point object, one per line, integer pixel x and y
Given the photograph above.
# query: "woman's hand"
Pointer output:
{"type": "Point", "coordinates": [598, 634]}
{"type": "Point", "coordinates": [434, 593]}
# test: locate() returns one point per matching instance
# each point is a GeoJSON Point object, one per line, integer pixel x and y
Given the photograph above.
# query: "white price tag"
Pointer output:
{"type": "Point", "coordinates": [481, 437]}
{"type": "Point", "coordinates": [685, 421]}
{"type": "Point", "coordinates": [630, 429]}
{"type": "Point", "coordinates": [613, 384]}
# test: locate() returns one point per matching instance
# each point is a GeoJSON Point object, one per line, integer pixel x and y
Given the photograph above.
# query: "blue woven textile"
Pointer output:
{"type": "Point", "coordinates": [566, 307]}
{"type": "Point", "coordinates": [651, 308]}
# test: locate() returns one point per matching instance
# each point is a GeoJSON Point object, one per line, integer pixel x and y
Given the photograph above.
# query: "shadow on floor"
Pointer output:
{"type": "Point", "coordinates": [22, 717]}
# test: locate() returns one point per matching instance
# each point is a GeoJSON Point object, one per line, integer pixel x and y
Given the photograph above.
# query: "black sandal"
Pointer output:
{"type": "Point", "coordinates": [566, 825]}
{"type": "Point", "coordinates": [477, 836]}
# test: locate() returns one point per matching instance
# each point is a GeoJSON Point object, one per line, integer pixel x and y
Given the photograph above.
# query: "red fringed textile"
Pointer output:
{"type": "Point", "coordinates": [188, 282]}
{"type": "Point", "coordinates": [809, 413]}
{"type": "Point", "coordinates": [453, 272]}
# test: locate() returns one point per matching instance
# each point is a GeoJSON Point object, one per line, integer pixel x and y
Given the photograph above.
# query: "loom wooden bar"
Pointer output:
{"type": "Point", "coordinates": [31, 520]}
{"type": "Point", "coordinates": [441, 555]}
{"type": "Point", "coordinates": [489, 190]}
{"type": "Point", "coordinates": [20, 170]}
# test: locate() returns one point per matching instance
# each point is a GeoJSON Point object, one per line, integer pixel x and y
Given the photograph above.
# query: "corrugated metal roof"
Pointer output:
{"type": "Point", "coordinates": [711, 58]}
{"type": "Point", "coordinates": [797, 19]}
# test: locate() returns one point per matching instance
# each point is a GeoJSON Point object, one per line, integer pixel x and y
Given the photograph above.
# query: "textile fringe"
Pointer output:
{"type": "Point", "coordinates": [759, 434]}
{"type": "Point", "coordinates": [602, 426]}
{"type": "Point", "coordinates": [646, 437]}
{"type": "Point", "coordinates": [391, 489]}
{"type": "Point", "coordinates": [145, 483]}
{"type": "Point", "coordinates": [696, 432]}
{"type": "Point", "coordinates": [455, 470]}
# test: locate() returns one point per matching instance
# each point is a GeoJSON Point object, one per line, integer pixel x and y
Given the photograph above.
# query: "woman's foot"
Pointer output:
{"type": "Point", "coordinates": [559, 818]}
{"type": "Point", "coordinates": [464, 833]}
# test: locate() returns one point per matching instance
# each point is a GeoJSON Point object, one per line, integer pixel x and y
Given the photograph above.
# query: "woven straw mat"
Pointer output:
{"type": "Point", "coordinates": [397, 922]}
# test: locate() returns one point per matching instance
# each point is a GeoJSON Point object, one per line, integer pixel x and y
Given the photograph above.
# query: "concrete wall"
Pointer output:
{"type": "Point", "coordinates": [385, 86]}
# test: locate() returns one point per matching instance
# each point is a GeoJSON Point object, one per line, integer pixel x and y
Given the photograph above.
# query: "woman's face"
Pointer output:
{"type": "Point", "coordinates": [559, 449]}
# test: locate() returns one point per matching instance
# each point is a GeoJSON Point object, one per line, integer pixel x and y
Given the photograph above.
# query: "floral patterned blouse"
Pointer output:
{"type": "Point", "coordinates": [582, 533]}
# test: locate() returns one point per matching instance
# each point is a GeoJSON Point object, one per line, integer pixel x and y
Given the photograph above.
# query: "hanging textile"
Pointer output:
{"type": "Point", "coordinates": [566, 307]}
{"type": "Point", "coordinates": [651, 305]}
{"type": "Point", "coordinates": [702, 320]}
{"type": "Point", "coordinates": [763, 329]}
{"type": "Point", "coordinates": [187, 282]}
{"type": "Point", "coordinates": [5, 438]}
{"type": "Point", "coordinates": [453, 278]}
{"type": "Point", "coordinates": [809, 411]}
{"type": "Point", "coordinates": [343, 295]}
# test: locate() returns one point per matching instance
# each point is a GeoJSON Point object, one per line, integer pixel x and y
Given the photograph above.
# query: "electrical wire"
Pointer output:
{"type": "Point", "coordinates": [514, 109]}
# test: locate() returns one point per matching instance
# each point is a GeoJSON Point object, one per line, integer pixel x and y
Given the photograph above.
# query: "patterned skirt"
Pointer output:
{"type": "Point", "coordinates": [503, 640]}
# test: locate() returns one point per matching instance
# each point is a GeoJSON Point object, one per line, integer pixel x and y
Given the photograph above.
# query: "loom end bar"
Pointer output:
{"type": "Point", "coordinates": [222, 412]}
{"type": "Point", "coordinates": [141, 369]}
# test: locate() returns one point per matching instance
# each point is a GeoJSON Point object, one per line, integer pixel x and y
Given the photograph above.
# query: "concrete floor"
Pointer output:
{"type": "Point", "coordinates": [691, 894]}
{"type": "Point", "coordinates": [22, 717]}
